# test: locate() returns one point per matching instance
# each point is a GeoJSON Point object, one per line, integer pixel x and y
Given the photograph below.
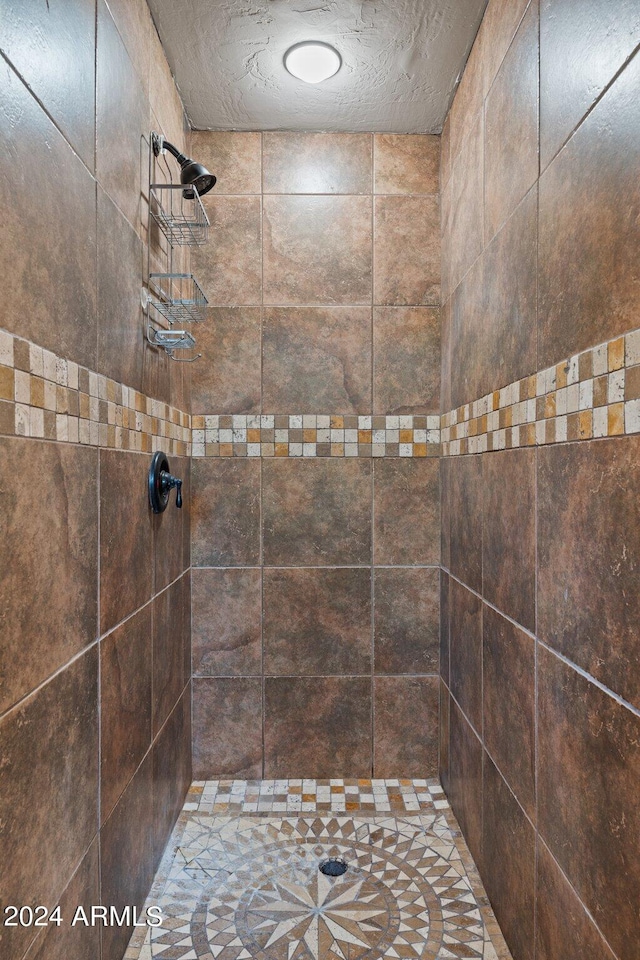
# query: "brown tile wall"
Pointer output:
{"type": "Point", "coordinates": [95, 702]}
{"type": "Point", "coordinates": [316, 580]}
{"type": "Point", "coordinates": [540, 671]}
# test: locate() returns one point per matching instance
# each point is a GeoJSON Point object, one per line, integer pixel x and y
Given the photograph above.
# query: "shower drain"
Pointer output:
{"type": "Point", "coordinates": [333, 867]}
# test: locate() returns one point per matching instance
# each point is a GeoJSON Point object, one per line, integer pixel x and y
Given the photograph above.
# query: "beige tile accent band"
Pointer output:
{"type": "Point", "coordinates": [591, 394]}
{"type": "Point", "coordinates": [595, 393]}
{"type": "Point", "coordinates": [314, 435]}
{"type": "Point", "coordinates": [45, 396]}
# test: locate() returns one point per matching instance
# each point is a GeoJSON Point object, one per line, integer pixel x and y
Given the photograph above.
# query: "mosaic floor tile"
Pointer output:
{"type": "Point", "coordinates": [249, 885]}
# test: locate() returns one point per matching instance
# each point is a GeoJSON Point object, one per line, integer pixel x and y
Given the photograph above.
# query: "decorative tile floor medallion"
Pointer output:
{"type": "Point", "coordinates": [249, 887]}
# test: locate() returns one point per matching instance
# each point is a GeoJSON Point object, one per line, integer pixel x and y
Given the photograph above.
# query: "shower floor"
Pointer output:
{"type": "Point", "coordinates": [240, 877]}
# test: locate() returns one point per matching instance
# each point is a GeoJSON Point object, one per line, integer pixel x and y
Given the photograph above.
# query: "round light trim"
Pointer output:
{"type": "Point", "coordinates": [312, 61]}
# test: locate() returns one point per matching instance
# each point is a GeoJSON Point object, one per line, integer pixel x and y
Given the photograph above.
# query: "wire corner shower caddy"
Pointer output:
{"type": "Point", "coordinates": [177, 211]}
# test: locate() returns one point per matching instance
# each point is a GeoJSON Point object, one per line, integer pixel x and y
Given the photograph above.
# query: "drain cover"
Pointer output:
{"type": "Point", "coordinates": [333, 867]}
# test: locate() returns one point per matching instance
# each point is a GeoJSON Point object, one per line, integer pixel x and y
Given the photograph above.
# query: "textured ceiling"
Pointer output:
{"type": "Point", "coordinates": [400, 58]}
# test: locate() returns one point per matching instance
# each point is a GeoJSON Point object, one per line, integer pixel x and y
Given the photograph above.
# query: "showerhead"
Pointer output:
{"type": "Point", "coordinates": [191, 172]}
{"type": "Point", "coordinates": [195, 173]}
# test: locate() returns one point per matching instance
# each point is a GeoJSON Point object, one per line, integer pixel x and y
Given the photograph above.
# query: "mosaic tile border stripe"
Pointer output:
{"type": "Point", "coordinates": [595, 393]}
{"type": "Point", "coordinates": [592, 394]}
{"type": "Point", "coordinates": [313, 435]}
{"type": "Point", "coordinates": [307, 796]}
{"type": "Point", "coordinates": [45, 396]}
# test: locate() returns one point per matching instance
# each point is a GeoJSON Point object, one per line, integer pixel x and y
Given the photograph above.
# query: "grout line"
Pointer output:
{"type": "Point", "coordinates": [536, 753]}
{"type": "Point", "coordinates": [605, 90]}
{"type": "Point", "coordinates": [580, 900]}
{"type": "Point", "coordinates": [560, 656]}
{"type": "Point", "coordinates": [49, 116]}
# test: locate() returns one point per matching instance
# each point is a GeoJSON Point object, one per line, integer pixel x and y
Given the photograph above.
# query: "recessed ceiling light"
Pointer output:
{"type": "Point", "coordinates": [312, 61]}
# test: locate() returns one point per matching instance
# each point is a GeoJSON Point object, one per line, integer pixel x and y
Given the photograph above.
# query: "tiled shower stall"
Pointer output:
{"type": "Point", "coordinates": [409, 542]}
{"type": "Point", "coordinates": [315, 475]}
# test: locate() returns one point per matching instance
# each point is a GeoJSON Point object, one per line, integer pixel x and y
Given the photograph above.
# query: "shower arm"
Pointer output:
{"type": "Point", "coordinates": [159, 145]}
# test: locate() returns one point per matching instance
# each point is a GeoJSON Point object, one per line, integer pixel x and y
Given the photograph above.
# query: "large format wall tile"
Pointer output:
{"type": "Point", "coordinates": [121, 343]}
{"type": "Point", "coordinates": [445, 627]}
{"type": "Point", "coordinates": [465, 506]}
{"type": "Point", "coordinates": [49, 799]}
{"type": "Point", "coordinates": [227, 378]}
{"type": "Point", "coordinates": [67, 942]}
{"type": "Point", "coordinates": [169, 641]}
{"type": "Point", "coordinates": [582, 47]}
{"type": "Point", "coordinates": [53, 48]}
{"type": "Point", "coordinates": [227, 728]}
{"type": "Point", "coordinates": [49, 289]}
{"type": "Point", "coordinates": [406, 346]}
{"type": "Point", "coordinates": [126, 560]}
{"type": "Point", "coordinates": [171, 773]}
{"type": "Point", "coordinates": [317, 250]}
{"type": "Point", "coordinates": [317, 163]}
{"type": "Point", "coordinates": [227, 622]}
{"type": "Point", "coordinates": [508, 862]}
{"type": "Point", "coordinates": [467, 103]}
{"type": "Point", "coordinates": [225, 513]}
{"type": "Point", "coordinates": [125, 705]}
{"type": "Point", "coordinates": [445, 512]}
{"type": "Point", "coordinates": [507, 346]}
{"type": "Point", "coordinates": [588, 558]}
{"type": "Point", "coordinates": [445, 356]}
{"type": "Point", "coordinates": [511, 126]}
{"type": "Point", "coordinates": [446, 214]}
{"type": "Point", "coordinates": [234, 158]}
{"type": "Point", "coordinates": [122, 120]}
{"type": "Point", "coordinates": [500, 23]}
{"type": "Point", "coordinates": [406, 620]}
{"type": "Point", "coordinates": [317, 512]}
{"type": "Point", "coordinates": [406, 511]}
{"type": "Point", "coordinates": [509, 534]}
{"type": "Point", "coordinates": [317, 359]}
{"type": "Point", "coordinates": [443, 748]}
{"type": "Point", "coordinates": [406, 164]}
{"type": "Point", "coordinates": [171, 530]}
{"type": "Point", "coordinates": [563, 926]}
{"type": "Point", "coordinates": [317, 621]}
{"type": "Point", "coordinates": [465, 779]}
{"type": "Point", "coordinates": [407, 232]}
{"type": "Point", "coordinates": [317, 727]}
{"type": "Point", "coordinates": [465, 640]}
{"type": "Point", "coordinates": [48, 561]}
{"type": "Point", "coordinates": [508, 689]}
{"type": "Point", "coordinates": [135, 26]}
{"type": "Point", "coordinates": [589, 272]}
{"type": "Point", "coordinates": [126, 856]}
{"type": "Point", "coordinates": [588, 769]}
{"type": "Point", "coordinates": [229, 267]}
{"type": "Point", "coordinates": [405, 734]}
{"type": "Point", "coordinates": [466, 204]}
{"type": "Point", "coordinates": [167, 112]}
{"type": "Point", "coordinates": [469, 340]}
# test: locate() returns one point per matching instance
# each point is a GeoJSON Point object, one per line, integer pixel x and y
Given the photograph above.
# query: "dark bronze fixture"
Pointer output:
{"type": "Point", "coordinates": [161, 483]}
{"type": "Point", "coordinates": [191, 172]}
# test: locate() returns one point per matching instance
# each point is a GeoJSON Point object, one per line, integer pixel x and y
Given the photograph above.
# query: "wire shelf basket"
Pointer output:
{"type": "Point", "coordinates": [179, 213]}
{"type": "Point", "coordinates": [172, 340]}
{"type": "Point", "coordinates": [178, 297]}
